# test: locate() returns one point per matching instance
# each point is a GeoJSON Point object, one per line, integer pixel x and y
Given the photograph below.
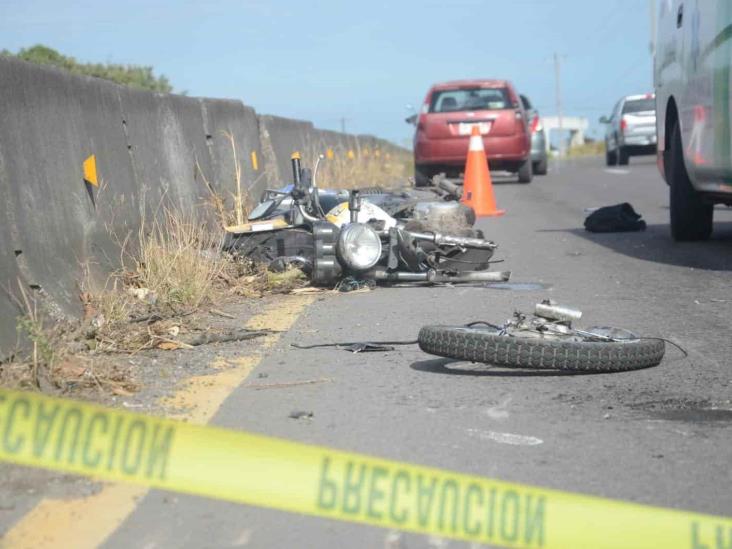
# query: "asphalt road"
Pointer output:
{"type": "Point", "coordinates": [661, 436]}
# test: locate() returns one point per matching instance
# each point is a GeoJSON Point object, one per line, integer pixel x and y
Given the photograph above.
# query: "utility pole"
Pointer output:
{"type": "Point", "coordinates": [343, 124]}
{"type": "Point", "coordinates": [557, 74]}
{"type": "Point", "coordinates": [652, 44]}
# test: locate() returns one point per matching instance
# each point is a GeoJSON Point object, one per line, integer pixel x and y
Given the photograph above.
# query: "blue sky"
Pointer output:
{"type": "Point", "coordinates": [364, 61]}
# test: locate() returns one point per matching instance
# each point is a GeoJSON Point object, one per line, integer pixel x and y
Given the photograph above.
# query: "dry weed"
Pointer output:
{"type": "Point", "coordinates": [346, 169]}
{"type": "Point", "coordinates": [178, 259]}
{"type": "Point", "coordinates": [237, 212]}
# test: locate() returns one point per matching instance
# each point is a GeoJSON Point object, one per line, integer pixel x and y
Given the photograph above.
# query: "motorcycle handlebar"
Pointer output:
{"type": "Point", "coordinates": [450, 240]}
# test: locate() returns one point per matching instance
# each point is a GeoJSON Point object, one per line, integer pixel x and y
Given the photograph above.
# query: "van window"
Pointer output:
{"type": "Point", "coordinates": [470, 99]}
{"type": "Point", "coordinates": [639, 105]}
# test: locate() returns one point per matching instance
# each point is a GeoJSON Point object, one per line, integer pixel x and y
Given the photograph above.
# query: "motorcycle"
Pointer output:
{"type": "Point", "coordinates": [332, 235]}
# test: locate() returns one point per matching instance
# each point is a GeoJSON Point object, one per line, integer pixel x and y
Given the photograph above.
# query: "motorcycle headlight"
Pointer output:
{"type": "Point", "coordinates": [359, 247]}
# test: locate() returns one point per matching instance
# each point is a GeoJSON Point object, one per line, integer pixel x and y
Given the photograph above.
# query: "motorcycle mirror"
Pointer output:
{"type": "Point", "coordinates": [263, 209]}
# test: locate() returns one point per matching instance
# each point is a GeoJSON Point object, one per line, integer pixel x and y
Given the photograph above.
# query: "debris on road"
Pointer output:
{"type": "Point", "coordinates": [260, 386]}
{"type": "Point", "coordinates": [301, 414]}
{"type": "Point", "coordinates": [545, 340]}
{"type": "Point", "coordinates": [358, 346]}
{"type": "Point", "coordinates": [614, 219]}
{"type": "Point", "coordinates": [368, 348]}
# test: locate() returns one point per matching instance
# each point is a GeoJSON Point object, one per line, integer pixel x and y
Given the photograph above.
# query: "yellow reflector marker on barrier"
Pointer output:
{"type": "Point", "coordinates": [90, 170]}
{"type": "Point", "coordinates": [257, 470]}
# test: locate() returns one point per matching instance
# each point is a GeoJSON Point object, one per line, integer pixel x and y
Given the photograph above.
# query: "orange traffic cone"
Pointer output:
{"type": "Point", "coordinates": [477, 185]}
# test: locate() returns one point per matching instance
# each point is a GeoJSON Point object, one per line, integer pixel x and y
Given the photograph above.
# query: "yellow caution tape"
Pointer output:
{"type": "Point", "coordinates": [253, 469]}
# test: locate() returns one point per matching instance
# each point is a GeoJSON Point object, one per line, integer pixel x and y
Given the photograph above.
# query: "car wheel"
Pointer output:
{"type": "Point", "coordinates": [611, 157]}
{"type": "Point", "coordinates": [541, 167]}
{"type": "Point", "coordinates": [421, 176]}
{"type": "Point", "coordinates": [691, 216]}
{"type": "Point", "coordinates": [623, 156]}
{"type": "Point", "coordinates": [525, 173]}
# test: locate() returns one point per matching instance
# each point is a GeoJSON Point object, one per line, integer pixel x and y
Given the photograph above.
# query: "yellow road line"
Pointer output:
{"type": "Point", "coordinates": [86, 522]}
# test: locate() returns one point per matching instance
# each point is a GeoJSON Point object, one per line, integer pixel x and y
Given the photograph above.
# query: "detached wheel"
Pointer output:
{"type": "Point", "coordinates": [525, 173]}
{"type": "Point", "coordinates": [541, 167]}
{"type": "Point", "coordinates": [691, 216]}
{"type": "Point", "coordinates": [485, 345]}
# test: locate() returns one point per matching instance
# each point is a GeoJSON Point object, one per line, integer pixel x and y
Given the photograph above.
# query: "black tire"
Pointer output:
{"type": "Point", "coordinates": [623, 156]}
{"type": "Point", "coordinates": [691, 217]}
{"type": "Point", "coordinates": [541, 167]}
{"type": "Point", "coordinates": [482, 345]}
{"type": "Point", "coordinates": [525, 173]}
{"type": "Point", "coordinates": [422, 176]}
{"type": "Point", "coordinates": [611, 157]}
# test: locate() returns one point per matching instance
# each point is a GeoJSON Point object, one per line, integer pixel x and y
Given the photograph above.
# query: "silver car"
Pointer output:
{"type": "Point", "coordinates": [539, 156]}
{"type": "Point", "coordinates": [631, 129]}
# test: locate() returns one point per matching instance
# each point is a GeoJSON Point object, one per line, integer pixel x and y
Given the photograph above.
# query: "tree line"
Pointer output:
{"type": "Point", "coordinates": [136, 76]}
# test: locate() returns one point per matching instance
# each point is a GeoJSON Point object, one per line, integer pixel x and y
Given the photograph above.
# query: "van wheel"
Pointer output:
{"type": "Point", "coordinates": [421, 176]}
{"type": "Point", "coordinates": [623, 156]}
{"type": "Point", "coordinates": [691, 216]}
{"type": "Point", "coordinates": [525, 173]}
{"type": "Point", "coordinates": [541, 167]}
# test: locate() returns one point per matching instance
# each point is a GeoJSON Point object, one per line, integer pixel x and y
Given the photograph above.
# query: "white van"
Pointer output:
{"type": "Point", "coordinates": [692, 71]}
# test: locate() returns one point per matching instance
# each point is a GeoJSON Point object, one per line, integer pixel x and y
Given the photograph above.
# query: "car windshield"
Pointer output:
{"type": "Point", "coordinates": [470, 99]}
{"type": "Point", "coordinates": [639, 105]}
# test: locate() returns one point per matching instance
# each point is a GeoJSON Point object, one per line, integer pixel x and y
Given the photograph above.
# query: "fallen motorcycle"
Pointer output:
{"type": "Point", "coordinates": [544, 340]}
{"type": "Point", "coordinates": [335, 235]}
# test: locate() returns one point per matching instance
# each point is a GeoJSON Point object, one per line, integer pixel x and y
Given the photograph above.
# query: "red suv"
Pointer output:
{"type": "Point", "coordinates": [447, 118]}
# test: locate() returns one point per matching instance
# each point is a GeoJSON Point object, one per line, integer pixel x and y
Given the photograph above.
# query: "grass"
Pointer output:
{"type": "Point", "coordinates": [346, 169]}
{"type": "Point", "coordinates": [31, 326]}
{"type": "Point", "coordinates": [240, 200]}
{"type": "Point", "coordinates": [595, 148]}
{"type": "Point", "coordinates": [178, 258]}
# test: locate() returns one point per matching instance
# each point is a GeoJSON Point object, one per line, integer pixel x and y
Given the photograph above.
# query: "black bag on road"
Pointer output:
{"type": "Point", "coordinates": [614, 219]}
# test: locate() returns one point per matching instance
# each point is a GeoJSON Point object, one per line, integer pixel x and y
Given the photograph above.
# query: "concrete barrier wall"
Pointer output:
{"type": "Point", "coordinates": [151, 150]}
{"type": "Point", "coordinates": [223, 120]}
{"type": "Point", "coordinates": [50, 122]}
{"type": "Point", "coordinates": [279, 138]}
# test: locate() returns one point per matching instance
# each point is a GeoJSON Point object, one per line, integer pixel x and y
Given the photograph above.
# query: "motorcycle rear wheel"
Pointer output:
{"type": "Point", "coordinates": [485, 345]}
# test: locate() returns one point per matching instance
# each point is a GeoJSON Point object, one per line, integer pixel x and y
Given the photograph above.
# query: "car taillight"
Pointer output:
{"type": "Point", "coordinates": [623, 124]}
{"type": "Point", "coordinates": [536, 124]}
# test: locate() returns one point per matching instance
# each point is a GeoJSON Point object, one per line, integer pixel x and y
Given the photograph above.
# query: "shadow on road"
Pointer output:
{"type": "Point", "coordinates": [655, 244]}
{"type": "Point", "coordinates": [444, 366]}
